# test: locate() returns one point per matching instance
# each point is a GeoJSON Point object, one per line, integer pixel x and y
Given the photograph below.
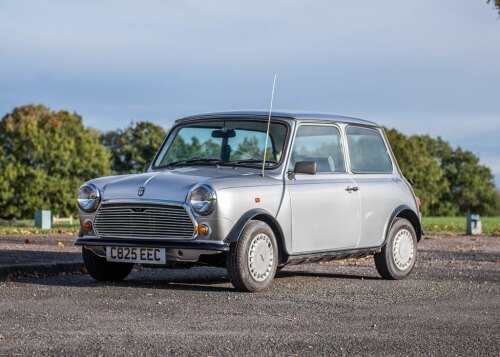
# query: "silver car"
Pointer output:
{"type": "Point", "coordinates": [253, 193]}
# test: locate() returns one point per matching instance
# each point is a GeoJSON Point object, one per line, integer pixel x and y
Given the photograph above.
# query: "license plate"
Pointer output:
{"type": "Point", "coordinates": [136, 255]}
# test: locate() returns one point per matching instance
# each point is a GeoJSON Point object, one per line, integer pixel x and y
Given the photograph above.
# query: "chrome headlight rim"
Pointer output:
{"type": "Point", "coordinates": [210, 204]}
{"type": "Point", "coordinates": [94, 198]}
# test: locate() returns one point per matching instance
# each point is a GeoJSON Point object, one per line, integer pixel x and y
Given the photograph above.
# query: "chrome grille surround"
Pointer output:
{"type": "Point", "coordinates": [146, 220]}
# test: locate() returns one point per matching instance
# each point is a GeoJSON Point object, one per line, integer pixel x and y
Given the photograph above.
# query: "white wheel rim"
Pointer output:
{"type": "Point", "coordinates": [403, 249]}
{"type": "Point", "coordinates": [260, 257]}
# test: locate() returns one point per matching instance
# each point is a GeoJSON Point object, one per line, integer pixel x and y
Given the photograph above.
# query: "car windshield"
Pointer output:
{"type": "Point", "coordinates": [224, 142]}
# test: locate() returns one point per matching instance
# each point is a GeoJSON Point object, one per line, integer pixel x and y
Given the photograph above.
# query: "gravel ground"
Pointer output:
{"type": "Point", "coordinates": [450, 305]}
{"type": "Point", "coordinates": [21, 249]}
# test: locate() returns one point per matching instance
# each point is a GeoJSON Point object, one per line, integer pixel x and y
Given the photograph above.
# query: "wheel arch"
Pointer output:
{"type": "Point", "coordinates": [406, 212]}
{"type": "Point", "coordinates": [263, 216]}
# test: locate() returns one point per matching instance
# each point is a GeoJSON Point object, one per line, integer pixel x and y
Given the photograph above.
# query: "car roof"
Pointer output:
{"type": "Point", "coordinates": [285, 114]}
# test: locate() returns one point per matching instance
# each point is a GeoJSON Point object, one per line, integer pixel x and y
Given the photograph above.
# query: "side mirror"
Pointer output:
{"type": "Point", "coordinates": [146, 167]}
{"type": "Point", "coordinates": [305, 167]}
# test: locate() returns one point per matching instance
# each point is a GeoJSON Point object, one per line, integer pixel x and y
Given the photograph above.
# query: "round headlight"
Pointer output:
{"type": "Point", "coordinates": [88, 197]}
{"type": "Point", "coordinates": [202, 199]}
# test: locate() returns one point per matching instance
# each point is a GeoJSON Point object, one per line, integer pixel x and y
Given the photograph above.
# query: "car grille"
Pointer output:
{"type": "Point", "coordinates": [143, 221]}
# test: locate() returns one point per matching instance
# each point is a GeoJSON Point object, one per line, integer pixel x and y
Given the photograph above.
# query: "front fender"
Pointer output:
{"type": "Point", "coordinates": [261, 215]}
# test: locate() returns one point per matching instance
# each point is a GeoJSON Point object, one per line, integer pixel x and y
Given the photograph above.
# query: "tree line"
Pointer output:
{"type": "Point", "coordinates": [496, 3]}
{"type": "Point", "coordinates": [45, 155]}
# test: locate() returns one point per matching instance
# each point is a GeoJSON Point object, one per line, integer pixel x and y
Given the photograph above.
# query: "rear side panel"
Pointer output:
{"type": "Point", "coordinates": [381, 193]}
{"type": "Point", "coordinates": [380, 196]}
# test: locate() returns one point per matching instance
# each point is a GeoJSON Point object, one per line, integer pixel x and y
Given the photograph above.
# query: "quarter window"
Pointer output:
{"type": "Point", "coordinates": [319, 143]}
{"type": "Point", "coordinates": [367, 151]}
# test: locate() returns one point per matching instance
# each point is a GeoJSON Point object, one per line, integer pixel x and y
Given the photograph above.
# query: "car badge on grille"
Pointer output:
{"type": "Point", "coordinates": [141, 190]}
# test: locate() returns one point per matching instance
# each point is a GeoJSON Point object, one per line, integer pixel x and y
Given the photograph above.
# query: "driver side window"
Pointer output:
{"type": "Point", "coordinates": [321, 144]}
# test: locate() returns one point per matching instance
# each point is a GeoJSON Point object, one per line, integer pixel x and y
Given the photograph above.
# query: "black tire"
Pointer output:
{"type": "Point", "coordinates": [102, 270]}
{"type": "Point", "coordinates": [385, 260]}
{"type": "Point", "coordinates": [238, 261]}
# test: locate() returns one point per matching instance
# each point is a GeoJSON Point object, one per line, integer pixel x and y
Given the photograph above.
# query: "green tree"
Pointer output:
{"type": "Point", "coordinates": [471, 184]}
{"type": "Point", "coordinates": [7, 174]}
{"type": "Point", "coordinates": [496, 3]}
{"type": "Point", "coordinates": [472, 189]}
{"type": "Point", "coordinates": [133, 147]}
{"type": "Point", "coordinates": [449, 181]}
{"type": "Point", "coordinates": [497, 204]}
{"type": "Point", "coordinates": [418, 162]}
{"type": "Point", "coordinates": [44, 157]}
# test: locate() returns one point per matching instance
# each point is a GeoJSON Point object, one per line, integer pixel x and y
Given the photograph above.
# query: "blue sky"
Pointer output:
{"type": "Point", "coordinates": [423, 66]}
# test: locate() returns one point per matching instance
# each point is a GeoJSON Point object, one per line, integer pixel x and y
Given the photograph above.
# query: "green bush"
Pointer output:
{"type": "Point", "coordinates": [44, 157]}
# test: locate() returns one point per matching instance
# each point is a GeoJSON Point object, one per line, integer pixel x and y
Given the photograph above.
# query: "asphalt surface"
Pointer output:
{"type": "Point", "coordinates": [450, 305]}
{"type": "Point", "coordinates": [38, 253]}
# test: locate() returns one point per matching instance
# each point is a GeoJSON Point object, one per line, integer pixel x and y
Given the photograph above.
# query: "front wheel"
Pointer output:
{"type": "Point", "coordinates": [253, 259]}
{"type": "Point", "coordinates": [397, 258]}
{"type": "Point", "coordinates": [102, 270]}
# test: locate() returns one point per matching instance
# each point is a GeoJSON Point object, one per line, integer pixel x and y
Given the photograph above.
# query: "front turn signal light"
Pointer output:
{"type": "Point", "coordinates": [87, 225]}
{"type": "Point", "coordinates": [203, 229]}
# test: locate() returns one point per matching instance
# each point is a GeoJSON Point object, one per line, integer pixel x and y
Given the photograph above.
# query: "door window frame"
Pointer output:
{"type": "Point", "coordinates": [341, 144]}
{"type": "Point", "coordinates": [387, 147]}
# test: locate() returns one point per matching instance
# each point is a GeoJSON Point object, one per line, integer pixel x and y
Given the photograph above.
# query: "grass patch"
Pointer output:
{"type": "Point", "coordinates": [457, 225]}
{"type": "Point", "coordinates": [27, 226]}
{"type": "Point", "coordinates": [28, 229]}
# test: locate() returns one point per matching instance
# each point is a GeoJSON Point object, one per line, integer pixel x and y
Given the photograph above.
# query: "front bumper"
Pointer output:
{"type": "Point", "coordinates": [153, 243]}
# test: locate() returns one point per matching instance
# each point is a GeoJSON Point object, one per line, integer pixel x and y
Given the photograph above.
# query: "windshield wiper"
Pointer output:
{"type": "Point", "coordinates": [247, 161]}
{"type": "Point", "coordinates": [204, 160]}
{"type": "Point", "coordinates": [194, 160]}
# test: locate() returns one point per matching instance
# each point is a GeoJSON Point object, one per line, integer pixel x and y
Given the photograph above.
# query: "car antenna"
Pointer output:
{"type": "Point", "coordinates": [268, 125]}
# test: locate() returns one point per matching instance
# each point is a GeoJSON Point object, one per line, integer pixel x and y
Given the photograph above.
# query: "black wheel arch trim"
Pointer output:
{"type": "Point", "coordinates": [406, 212]}
{"type": "Point", "coordinates": [261, 215]}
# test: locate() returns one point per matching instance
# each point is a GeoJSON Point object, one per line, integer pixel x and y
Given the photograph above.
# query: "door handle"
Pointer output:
{"type": "Point", "coordinates": [352, 189]}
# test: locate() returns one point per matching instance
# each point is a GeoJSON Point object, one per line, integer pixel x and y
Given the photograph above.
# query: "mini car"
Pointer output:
{"type": "Point", "coordinates": [253, 192]}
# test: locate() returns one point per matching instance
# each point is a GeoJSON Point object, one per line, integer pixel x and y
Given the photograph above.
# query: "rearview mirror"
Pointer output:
{"type": "Point", "coordinates": [223, 133]}
{"type": "Point", "coordinates": [305, 167]}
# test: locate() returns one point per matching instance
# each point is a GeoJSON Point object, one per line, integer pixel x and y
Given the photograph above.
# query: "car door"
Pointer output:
{"type": "Point", "coordinates": [325, 209]}
{"type": "Point", "coordinates": [380, 185]}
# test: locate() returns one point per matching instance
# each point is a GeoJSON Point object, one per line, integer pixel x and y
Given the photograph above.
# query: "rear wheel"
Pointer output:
{"type": "Point", "coordinates": [397, 258]}
{"type": "Point", "coordinates": [102, 270]}
{"type": "Point", "coordinates": [253, 259]}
